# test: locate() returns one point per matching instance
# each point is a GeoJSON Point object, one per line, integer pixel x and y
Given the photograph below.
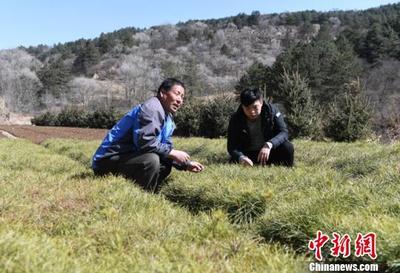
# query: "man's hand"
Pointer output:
{"type": "Point", "coordinates": [194, 167]}
{"type": "Point", "coordinates": [179, 156]}
{"type": "Point", "coordinates": [263, 155]}
{"type": "Point", "coordinates": [246, 161]}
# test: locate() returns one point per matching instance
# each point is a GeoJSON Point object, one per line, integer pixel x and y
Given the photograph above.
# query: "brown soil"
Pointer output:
{"type": "Point", "coordinates": [38, 134]}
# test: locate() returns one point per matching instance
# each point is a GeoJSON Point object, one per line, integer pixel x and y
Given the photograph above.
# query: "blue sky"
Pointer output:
{"type": "Point", "coordinates": [27, 22]}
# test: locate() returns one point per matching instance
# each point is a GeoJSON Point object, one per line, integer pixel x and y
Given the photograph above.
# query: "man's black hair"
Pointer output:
{"type": "Point", "coordinates": [248, 96]}
{"type": "Point", "coordinates": [167, 84]}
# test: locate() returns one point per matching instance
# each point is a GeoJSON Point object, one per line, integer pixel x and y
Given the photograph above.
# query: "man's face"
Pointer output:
{"type": "Point", "coordinates": [253, 111]}
{"type": "Point", "coordinates": [173, 99]}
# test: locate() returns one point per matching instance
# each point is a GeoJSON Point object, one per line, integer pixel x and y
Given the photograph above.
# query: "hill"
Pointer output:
{"type": "Point", "coordinates": [121, 68]}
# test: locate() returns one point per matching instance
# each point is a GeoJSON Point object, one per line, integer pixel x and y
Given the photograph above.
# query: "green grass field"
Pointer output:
{"type": "Point", "coordinates": [55, 216]}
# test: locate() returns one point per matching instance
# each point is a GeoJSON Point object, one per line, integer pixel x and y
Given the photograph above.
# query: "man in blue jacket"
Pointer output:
{"type": "Point", "coordinates": [257, 133]}
{"type": "Point", "coordinates": [139, 146]}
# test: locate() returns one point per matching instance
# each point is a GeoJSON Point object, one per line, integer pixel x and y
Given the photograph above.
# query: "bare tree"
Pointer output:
{"type": "Point", "coordinates": [18, 82]}
{"type": "Point", "coordinates": [163, 36]}
{"type": "Point", "coordinates": [139, 78]}
{"type": "Point", "coordinates": [83, 91]}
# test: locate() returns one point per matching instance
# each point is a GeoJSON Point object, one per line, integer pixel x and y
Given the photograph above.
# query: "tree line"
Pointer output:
{"type": "Point", "coordinates": [326, 52]}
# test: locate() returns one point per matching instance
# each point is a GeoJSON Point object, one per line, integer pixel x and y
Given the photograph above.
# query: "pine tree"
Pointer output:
{"type": "Point", "coordinates": [225, 50]}
{"type": "Point", "coordinates": [105, 43]}
{"type": "Point", "coordinates": [349, 117]}
{"type": "Point", "coordinates": [325, 65]}
{"type": "Point", "coordinates": [301, 112]}
{"type": "Point", "coordinates": [257, 76]}
{"type": "Point", "coordinates": [373, 44]}
{"type": "Point", "coordinates": [87, 57]}
{"type": "Point", "coordinates": [54, 78]}
{"type": "Point", "coordinates": [344, 68]}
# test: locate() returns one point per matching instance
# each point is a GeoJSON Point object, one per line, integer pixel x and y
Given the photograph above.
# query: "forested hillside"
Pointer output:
{"type": "Point", "coordinates": [326, 50]}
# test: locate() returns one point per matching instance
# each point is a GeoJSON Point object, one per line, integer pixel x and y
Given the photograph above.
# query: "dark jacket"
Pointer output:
{"type": "Point", "coordinates": [272, 123]}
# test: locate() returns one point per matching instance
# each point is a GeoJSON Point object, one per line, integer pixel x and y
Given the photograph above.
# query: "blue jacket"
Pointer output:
{"type": "Point", "coordinates": [147, 128]}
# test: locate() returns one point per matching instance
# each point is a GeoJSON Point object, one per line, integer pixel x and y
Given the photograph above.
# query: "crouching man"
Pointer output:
{"type": "Point", "coordinates": [257, 133]}
{"type": "Point", "coordinates": [139, 146]}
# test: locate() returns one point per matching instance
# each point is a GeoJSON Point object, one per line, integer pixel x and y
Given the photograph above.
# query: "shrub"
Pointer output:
{"type": "Point", "coordinates": [187, 119]}
{"type": "Point", "coordinates": [349, 117]}
{"type": "Point", "coordinates": [215, 116]}
{"type": "Point", "coordinates": [102, 118]}
{"type": "Point", "coordinates": [207, 118]}
{"type": "Point", "coordinates": [46, 119]}
{"type": "Point", "coordinates": [301, 112]}
{"type": "Point", "coordinates": [72, 117]}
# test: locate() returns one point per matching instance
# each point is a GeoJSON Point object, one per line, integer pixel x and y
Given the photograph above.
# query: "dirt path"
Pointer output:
{"type": "Point", "coordinates": [38, 134]}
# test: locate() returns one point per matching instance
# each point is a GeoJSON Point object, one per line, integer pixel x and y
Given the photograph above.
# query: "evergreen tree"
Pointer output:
{"type": "Point", "coordinates": [349, 117]}
{"type": "Point", "coordinates": [326, 65]}
{"type": "Point", "coordinates": [126, 37]}
{"type": "Point", "coordinates": [184, 35]}
{"type": "Point", "coordinates": [89, 56]}
{"type": "Point", "coordinates": [380, 41]}
{"type": "Point", "coordinates": [301, 114]}
{"type": "Point", "coordinates": [240, 20]}
{"type": "Point", "coordinates": [254, 18]}
{"type": "Point", "coordinates": [256, 76]}
{"type": "Point", "coordinates": [344, 68]}
{"type": "Point", "coordinates": [225, 50]}
{"type": "Point", "coordinates": [373, 44]}
{"type": "Point", "coordinates": [54, 78]}
{"type": "Point", "coordinates": [324, 33]}
{"type": "Point", "coordinates": [105, 43]}
{"type": "Point", "coordinates": [391, 44]}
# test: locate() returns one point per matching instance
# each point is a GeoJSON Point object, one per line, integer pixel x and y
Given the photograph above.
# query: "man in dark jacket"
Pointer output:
{"type": "Point", "coordinates": [257, 133]}
{"type": "Point", "coordinates": [139, 146]}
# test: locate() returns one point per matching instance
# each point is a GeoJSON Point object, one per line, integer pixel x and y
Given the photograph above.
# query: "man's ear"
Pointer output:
{"type": "Point", "coordinates": [162, 93]}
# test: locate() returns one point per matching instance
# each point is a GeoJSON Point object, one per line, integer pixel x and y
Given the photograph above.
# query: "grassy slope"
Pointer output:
{"type": "Point", "coordinates": [56, 217]}
{"type": "Point", "coordinates": [346, 188]}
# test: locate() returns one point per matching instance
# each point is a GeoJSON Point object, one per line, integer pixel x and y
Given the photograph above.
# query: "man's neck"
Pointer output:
{"type": "Point", "coordinates": [253, 120]}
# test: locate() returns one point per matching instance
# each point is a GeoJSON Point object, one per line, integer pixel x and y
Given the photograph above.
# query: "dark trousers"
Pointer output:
{"type": "Point", "coordinates": [281, 155]}
{"type": "Point", "coordinates": [147, 170]}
